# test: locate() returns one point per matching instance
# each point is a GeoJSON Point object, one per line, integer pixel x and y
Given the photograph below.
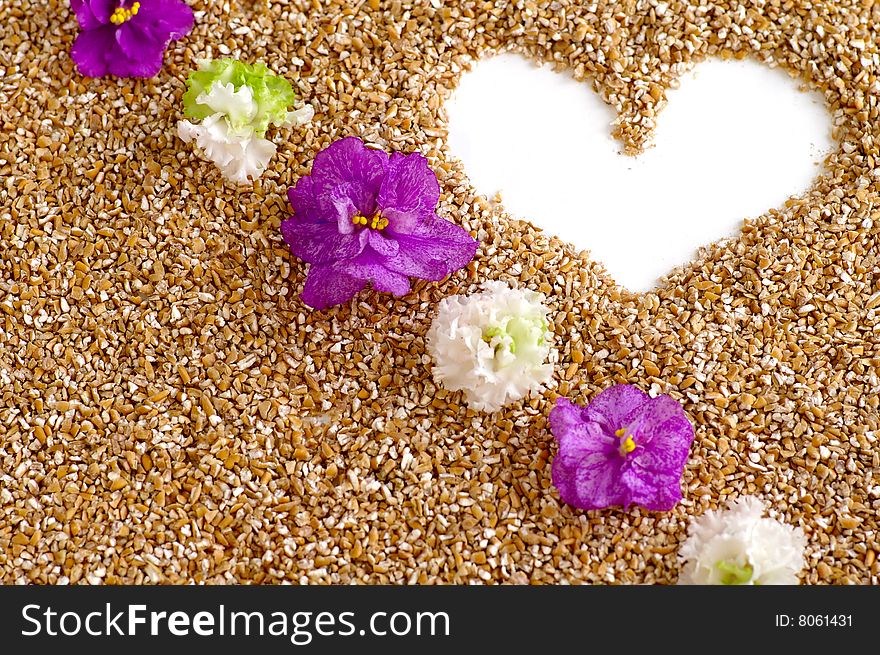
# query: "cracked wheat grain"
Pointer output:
{"type": "Point", "coordinates": [171, 412]}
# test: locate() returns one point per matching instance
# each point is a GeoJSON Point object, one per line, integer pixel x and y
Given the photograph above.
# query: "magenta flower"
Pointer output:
{"type": "Point", "coordinates": [127, 38]}
{"type": "Point", "coordinates": [624, 448]}
{"type": "Point", "coordinates": [364, 216]}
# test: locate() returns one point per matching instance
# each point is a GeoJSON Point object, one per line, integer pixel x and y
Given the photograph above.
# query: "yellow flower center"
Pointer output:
{"type": "Point", "coordinates": [378, 222]}
{"type": "Point", "coordinates": [121, 14]}
{"type": "Point", "coordinates": [627, 444]}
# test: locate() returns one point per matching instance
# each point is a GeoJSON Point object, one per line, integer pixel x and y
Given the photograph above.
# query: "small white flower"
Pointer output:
{"type": "Point", "coordinates": [739, 545]}
{"type": "Point", "coordinates": [237, 158]}
{"type": "Point", "coordinates": [492, 345]}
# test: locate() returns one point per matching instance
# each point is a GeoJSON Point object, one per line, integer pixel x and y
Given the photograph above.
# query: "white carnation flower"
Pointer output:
{"type": "Point", "coordinates": [237, 158]}
{"type": "Point", "coordinates": [492, 345]}
{"type": "Point", "coordinates": [739, 545]}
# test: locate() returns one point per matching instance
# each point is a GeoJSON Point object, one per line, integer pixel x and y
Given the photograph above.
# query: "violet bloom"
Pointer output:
{"type": "Point", "coordinates": [127, 38]}
{"type": "Point", "coordinates": [624, 448]}
{"type": "Point", "coordinates": [364, 216]}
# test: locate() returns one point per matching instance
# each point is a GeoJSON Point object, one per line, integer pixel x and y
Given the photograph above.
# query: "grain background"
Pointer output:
{"type": "Point", "coordinates": [171, 412]}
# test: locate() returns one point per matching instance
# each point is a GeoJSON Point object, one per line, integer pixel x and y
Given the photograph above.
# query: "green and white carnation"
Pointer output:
{"type": "Point", "coordinates": [231, 106]}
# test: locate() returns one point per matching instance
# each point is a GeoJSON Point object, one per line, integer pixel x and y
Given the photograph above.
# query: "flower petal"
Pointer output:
{"type": "Point", "coordinates": [369, 266]}
{"type": "Point", "coordinates": [663, 437]}
{"type": "Point", "coordinates": [664, 434]}
{"type": "Point", "coordinates": [314, 203]}
{"type": "Point", "coordinates": [138, 53]}
{"type": "Point", "coordinates": [91, 14]}
{"type": "Point", "coordinates": [309, 201]}
{"type": "Point", "coordinates": [172, 19]}
{"type": "Point", "coordinates": [565, 417]}
{"type": "Point", "coordinates": [318, 242]}
{"type": "Point", "coordinates": [409, 191]}
{"type": "Point", "coordinates": [140, 41]}
{"type": "Point", "coordinates": [658, 491]}
{"type": "Point", "coordinates": [238, 159]}
{"type": "Point", "coordinates": [326, 286]}
{"type": "Point", "coordinates": [299, 117]}
{"type": "Point", "coordinates": [349, 164]}
{"type": "Point", "coordinates": [382, 245]}
{"type": "Point", "coordinates": [725, 542]}
{"type": "Point", "coordinates": [340, 199]}
{"type": "Point", "coordinates": [237, 106]}
{"type": "Point", "coordinates": [93, 50]}
{"type": "Point", "coordinates": [433, 249]}
{"type": "Point", "coordinates": [586, 469]}
{"type": "Point", "coordinates": [616, 406]}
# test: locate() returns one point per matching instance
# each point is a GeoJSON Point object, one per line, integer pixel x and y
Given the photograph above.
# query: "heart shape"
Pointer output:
{"type": "Point", "coordinates": [737, 139]}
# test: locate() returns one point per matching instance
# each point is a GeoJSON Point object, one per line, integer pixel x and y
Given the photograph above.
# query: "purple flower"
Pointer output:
{"type": "Point", "coordinates": [366, 216]}
{"type": "Point", "coordinates": [623, 448]}
{"type": "Point", "coordinates": [127, 38]}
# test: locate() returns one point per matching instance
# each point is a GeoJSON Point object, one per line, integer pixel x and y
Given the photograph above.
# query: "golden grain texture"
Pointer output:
{"type": "Point", "coordinates": [171, 412]}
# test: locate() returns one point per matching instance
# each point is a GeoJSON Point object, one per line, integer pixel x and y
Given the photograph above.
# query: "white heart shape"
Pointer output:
{"type": "Point", "coordinates": [736, 139]}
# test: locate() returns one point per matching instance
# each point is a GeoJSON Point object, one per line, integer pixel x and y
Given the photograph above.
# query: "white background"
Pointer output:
{"type": "Point", "coordinates": [736, 139]}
